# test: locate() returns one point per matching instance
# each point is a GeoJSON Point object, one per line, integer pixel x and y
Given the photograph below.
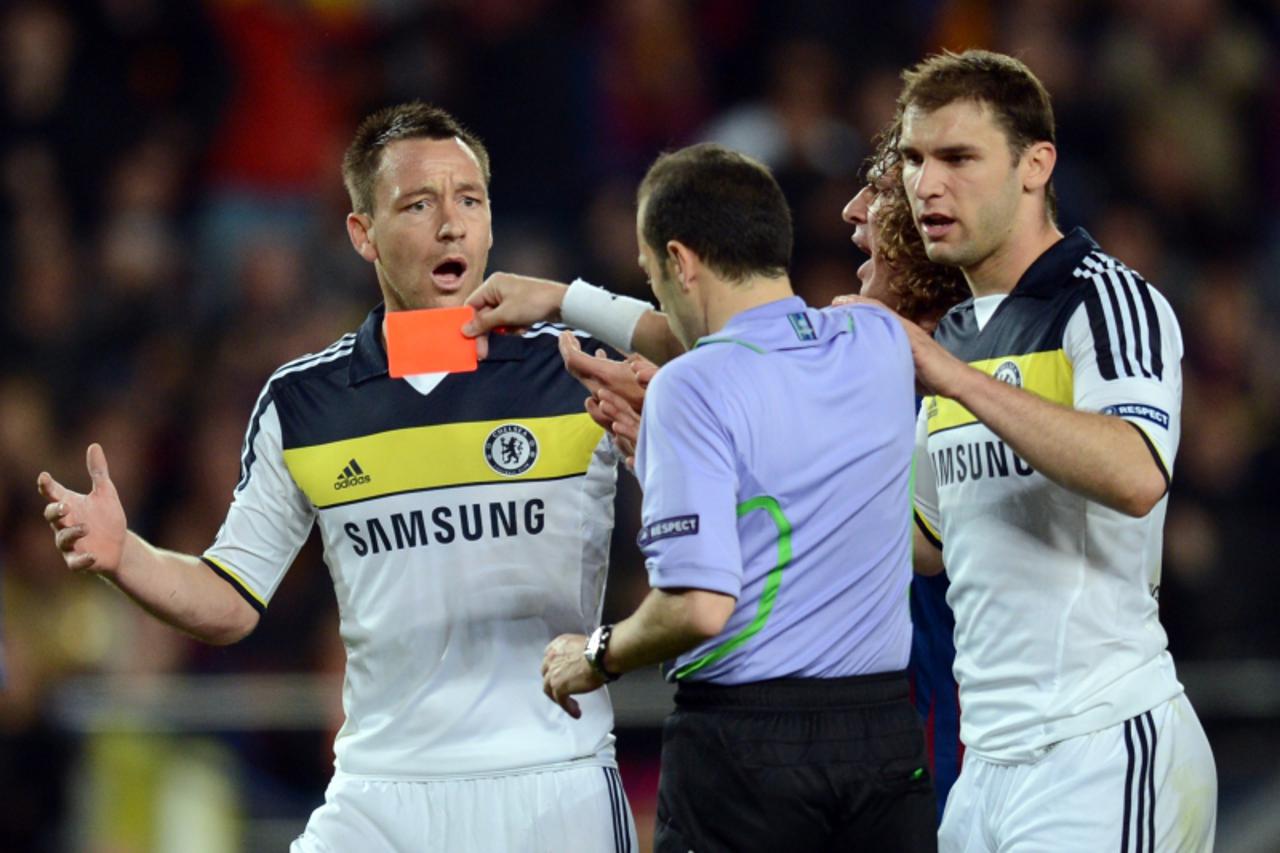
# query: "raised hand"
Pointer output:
{"type": "Point", "coordinates": [600, 371]}
{"type": "Point", "coordinates": [643, 368]}
{"type": "Point", "coordinates": [623, 422]}
{"type": "Point", "coordinates": [89, 530]}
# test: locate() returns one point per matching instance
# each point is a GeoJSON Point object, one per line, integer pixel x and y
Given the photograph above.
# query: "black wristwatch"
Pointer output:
{"type": "Point", "coordinates": [597, 645]}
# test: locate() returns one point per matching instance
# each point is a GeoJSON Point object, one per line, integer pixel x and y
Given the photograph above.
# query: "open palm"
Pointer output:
{"type": "Point", "coordinates": [89, 529]}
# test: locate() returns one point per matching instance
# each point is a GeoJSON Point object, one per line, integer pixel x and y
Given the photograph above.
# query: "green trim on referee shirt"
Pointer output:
{"type": "Point", "coordinates": [704, 341]}
{"type": "Point", "coordinates": [771, 584]}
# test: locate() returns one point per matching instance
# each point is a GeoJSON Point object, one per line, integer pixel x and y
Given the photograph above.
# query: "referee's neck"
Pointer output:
{"type": "Point", "coordinates": [727, 299]}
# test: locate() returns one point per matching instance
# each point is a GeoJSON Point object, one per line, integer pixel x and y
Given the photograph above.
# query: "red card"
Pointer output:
{"type": "Point", "coordinates": [430, 341]}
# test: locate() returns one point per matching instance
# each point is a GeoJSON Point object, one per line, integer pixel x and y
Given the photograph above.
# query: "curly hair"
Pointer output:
{"type": "Point", "coordinates": [925, 290]}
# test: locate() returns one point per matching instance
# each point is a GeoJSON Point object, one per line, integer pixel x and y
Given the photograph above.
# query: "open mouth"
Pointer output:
{"type": "Point", "coordinates": [448, 273]}
{"type": "Point", "coordinates": [935, 226]}
{"type": "Point", "coordinates": [860, 239]}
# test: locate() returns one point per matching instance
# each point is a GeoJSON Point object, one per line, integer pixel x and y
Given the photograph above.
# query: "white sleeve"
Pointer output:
{"type": "Point", "coordinates": [269, 518]}
{"type": "Point", "coordinates": [1125, 349]}
{"type": "Point", "coordinates": [926, 485]}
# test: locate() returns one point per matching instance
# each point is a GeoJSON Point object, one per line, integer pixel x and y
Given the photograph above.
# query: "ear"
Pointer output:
{"type": "Point", "coordinates": [360, 230]}
{"type": "Point", "coordinates": [1037, 163]}
{"type": "Point", "coordinates": [688, 265]}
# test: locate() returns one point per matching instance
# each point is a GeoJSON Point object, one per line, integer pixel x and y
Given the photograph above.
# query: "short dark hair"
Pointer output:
{"type": "Point", "coordinates": [412, 120]}
{"type": "Point", "coordinates": [721, 204]}
{"type": "Point", "coordinates": [1006, 85]}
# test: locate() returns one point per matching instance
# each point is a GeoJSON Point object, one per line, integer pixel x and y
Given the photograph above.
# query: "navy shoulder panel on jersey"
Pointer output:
{"type": "Point", "coordinates": [333, 359]}
{"type": "Point", "coordinates": [1034, 315]}
{"type": "Point", "coordinates": [523, 377]}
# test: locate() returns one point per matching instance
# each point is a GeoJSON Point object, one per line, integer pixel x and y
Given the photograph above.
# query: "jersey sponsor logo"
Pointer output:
{"type": "Point", "coordinates": [802, 327]}
{"type": "Point", "coordinates": [1159, 417]}
{"type": "Point", "coordinates": [680, 525]}
{"type": "Point", "coordinates": [511, 450]}
{"type": "Point", "coordinates": [444, 525]}
{"type": "Point", "coordinates": [352, 475]}
{"type": "Point", "coordinates": [973, 461]}
{"type": "Point", "coordinates": [1009, 374]}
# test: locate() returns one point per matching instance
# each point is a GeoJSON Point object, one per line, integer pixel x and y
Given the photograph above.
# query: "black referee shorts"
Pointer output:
{"type": "Point", "coordinates": [795, 765]}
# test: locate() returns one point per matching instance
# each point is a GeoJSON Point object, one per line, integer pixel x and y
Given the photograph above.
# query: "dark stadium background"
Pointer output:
{"type": "Point", "coordinates": [172, 231]}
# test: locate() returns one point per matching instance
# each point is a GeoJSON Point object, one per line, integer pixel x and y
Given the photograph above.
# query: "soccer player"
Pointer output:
{"type": "Point", "coordinates": [465, 520]}
{"type": "Point", "coordinates": [898, 273]}
{"type": "Point", "coordinates": [778, 549]}
{"type": "Point", "coordinates": [1044, 455]}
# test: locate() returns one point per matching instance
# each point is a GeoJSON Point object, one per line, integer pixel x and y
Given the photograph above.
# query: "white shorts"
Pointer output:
{"type": "Point", "coordinates": [558, 810]}
{"type": "Point", "coordinates": [1098, 792]}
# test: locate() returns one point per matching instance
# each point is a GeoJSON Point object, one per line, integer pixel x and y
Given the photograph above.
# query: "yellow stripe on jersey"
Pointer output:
{"type": "Point", "coordinates": [235, 577]}
{"type": "Point", "coordinates": [1047, 374]}
{"type": "Point", "coordinates": [428, 457]}
{"type": "Point", "coordinates": [930, 532]}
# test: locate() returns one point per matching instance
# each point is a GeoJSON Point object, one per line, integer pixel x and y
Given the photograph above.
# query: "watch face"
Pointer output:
{"type": "Point", "coordinates": [597, 643]}
{"type": "Point", "coordinates": [593, 646]}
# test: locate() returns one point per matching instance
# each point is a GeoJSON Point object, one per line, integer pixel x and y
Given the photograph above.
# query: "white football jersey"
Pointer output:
{"type": "Point", "coordinates": [1055, 596]}
{"type": "Point", "coordinates": [463, 529]}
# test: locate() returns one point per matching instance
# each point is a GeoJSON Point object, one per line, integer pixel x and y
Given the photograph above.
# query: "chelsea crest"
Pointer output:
{"type": "Point", "coordinates": [511, 450]}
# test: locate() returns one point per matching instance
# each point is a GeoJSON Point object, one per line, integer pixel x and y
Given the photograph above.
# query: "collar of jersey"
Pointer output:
{"type": "Point", "coordinates": [1047, 273]}
{"type": "Point", "coordinates": [757, 328]}
{"type": "Point", "coordinates": [369, 357]}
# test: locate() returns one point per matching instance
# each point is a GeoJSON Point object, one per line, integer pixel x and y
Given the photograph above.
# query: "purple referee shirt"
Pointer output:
{"type": "Point", "coordinates": [775, 459]}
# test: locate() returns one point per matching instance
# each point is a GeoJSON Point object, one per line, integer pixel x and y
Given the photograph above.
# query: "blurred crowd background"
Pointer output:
{"type": "Point", "coordinates": [172, 231]}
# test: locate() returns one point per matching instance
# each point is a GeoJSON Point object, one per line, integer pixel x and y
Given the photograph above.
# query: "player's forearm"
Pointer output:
{"type": "Point", "coordinates": [1098, 456]}
{"type": "Point", "coordinates": [182, 591]}
{"type": "Point", "coordinates": [622, 322]}
{"type": "Point", "coordinates": [666, 625]}
{"type": "Point", "coordinates": [654, 339]}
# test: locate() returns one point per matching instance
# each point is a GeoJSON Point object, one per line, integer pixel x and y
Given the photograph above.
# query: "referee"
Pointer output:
{"type": "Point", "coordinates": [775, 460]}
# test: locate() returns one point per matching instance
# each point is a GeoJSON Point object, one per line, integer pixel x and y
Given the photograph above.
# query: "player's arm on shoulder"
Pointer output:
{"type": "Point", "coordinates": [91, 532]}
{"type": "Point", "coordinates": [1101, 457]}
{"type": "Point", "coordinates": [624, 323]}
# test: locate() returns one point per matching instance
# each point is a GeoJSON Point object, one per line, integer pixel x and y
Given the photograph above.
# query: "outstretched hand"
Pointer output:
{"type": "Point", "coordinates": [600, 371]}
{"type": "Point", "coordinates": [617, 390]}
{"type": "Point", "coordinates": [89, 529]}
{"type": "Point", "coordinates": [622, 422]}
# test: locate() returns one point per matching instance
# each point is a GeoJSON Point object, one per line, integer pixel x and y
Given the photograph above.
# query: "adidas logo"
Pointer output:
{"type": "Point", "coordinates": [352, 475]}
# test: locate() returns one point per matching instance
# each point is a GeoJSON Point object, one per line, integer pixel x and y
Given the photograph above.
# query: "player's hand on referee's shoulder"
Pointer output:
{"type": "Point", "coordinates": [937, 371]}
